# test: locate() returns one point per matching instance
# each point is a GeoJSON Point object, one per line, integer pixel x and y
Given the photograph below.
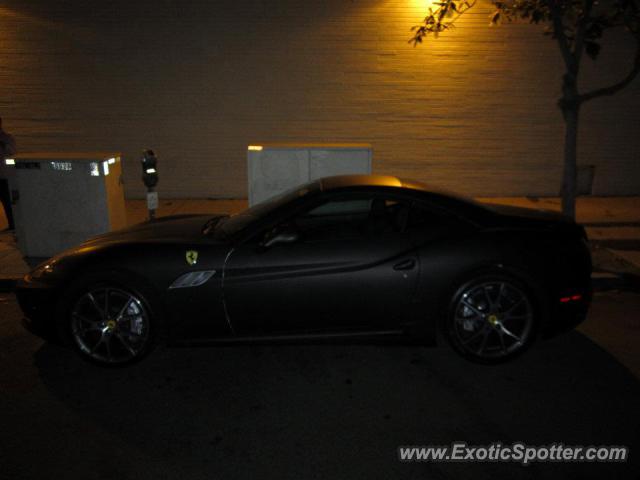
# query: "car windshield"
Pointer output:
{"type": "Point", "coordinates": [229, 226]}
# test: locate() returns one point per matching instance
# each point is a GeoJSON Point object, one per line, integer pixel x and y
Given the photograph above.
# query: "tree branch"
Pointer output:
{"type": "Point", "coordinates": [616, 87]}
{"type": "Point", "coordinates": [582, 26]}
{"type": "Point", "coordinates": [558, 30]}
{"type": "Point", "coordinates": [440, 19]}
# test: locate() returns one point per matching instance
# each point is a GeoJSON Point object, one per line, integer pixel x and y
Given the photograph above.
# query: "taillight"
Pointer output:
{"type": "Point", "coordinates": [572, 298]}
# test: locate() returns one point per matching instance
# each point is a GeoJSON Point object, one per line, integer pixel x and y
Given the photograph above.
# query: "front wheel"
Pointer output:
{"type": "Point", "coordinates": [491, 319]}
{"type": "Point", "coordinates": [110, 325]}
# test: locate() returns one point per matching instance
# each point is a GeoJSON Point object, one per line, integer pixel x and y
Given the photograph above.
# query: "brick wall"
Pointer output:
{"type": "Point", "coordinates": [199, 80]}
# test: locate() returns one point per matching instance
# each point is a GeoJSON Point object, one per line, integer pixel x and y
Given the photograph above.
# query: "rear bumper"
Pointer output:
{"type": "Point", "coordinates": [569, 286]}
{"type": "Point", "coordinates": [38, 302]}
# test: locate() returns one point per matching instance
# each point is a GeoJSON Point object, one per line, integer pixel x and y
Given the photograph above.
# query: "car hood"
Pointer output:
{"type": "Point", "coordinates": [177, 228]}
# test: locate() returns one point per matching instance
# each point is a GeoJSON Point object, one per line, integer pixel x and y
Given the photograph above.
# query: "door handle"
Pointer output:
{"type": "Point", "coordinates": [408, 264]}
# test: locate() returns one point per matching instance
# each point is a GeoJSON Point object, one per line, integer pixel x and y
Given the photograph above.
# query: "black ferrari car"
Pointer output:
{"type": "Point", "coordinates": [356, 257]}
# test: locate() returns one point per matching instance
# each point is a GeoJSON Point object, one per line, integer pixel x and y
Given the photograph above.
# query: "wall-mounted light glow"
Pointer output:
{"type": "Point", "coordinates": [150, 170]}
{"type": "Point", "coordinates": [95, 171]}
{"type": "Point", "coordinates": [9, 161]}
{"type": "Point", "coordinates": [424, 5]}
{"type": "Point", "coordinates": [105, 168]}
{"type": "Point", "coordinates": [255, 148]}
{"type": "Point", "coordinates": [111, 161]}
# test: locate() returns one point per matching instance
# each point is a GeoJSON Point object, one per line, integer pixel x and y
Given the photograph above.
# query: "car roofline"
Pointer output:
{"type": "Point", "coordinates": [460, 202]}
{"type": "Point", "coordinates": [345, 181]}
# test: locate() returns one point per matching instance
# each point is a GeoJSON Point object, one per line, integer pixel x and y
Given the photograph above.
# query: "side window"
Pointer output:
{"type": "Point", "coordinates": [358, 216]}
{"type": "Point", "coordinates": [338, 218]}
{"type": "Point", "coordinates": [362, 215]}
{"type": "Point", "coordinates": [422, 218]}
{"type": "Point", "coordinates": [341, 207]}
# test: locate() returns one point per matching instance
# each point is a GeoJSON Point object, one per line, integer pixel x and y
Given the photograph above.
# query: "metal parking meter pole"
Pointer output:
{"type": "Point", "coordinates": [150, 179]}
{"type": "Point", "coordinates": [152, 202]}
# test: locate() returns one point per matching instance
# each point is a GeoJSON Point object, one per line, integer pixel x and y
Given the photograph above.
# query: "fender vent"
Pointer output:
{"type": "Point", "coordinates": [192, 279]}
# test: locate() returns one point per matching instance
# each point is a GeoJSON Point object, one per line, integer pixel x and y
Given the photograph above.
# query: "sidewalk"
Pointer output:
{"type": "Point", "coordinates": [612, 223]}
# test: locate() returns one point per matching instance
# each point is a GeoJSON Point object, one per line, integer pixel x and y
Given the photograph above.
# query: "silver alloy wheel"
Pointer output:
{"type": "Point", "coordinates": [493, 319]}
{"type": "Point", "coordinates": [110, 325]}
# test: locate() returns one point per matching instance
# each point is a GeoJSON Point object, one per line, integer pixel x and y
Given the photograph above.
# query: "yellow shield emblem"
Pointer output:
{"type": "Point", "coordinates": [192, 257]}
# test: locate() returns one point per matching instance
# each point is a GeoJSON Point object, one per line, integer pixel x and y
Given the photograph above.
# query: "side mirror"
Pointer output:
{"type": "Point", "coordinates": [286, 235]}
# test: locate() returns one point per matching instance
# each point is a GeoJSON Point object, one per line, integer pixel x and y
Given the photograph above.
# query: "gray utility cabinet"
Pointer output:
{"type": "Point", "coordinates": [62, 199]}
{"type": "Point", "coordinates": [276, 167]}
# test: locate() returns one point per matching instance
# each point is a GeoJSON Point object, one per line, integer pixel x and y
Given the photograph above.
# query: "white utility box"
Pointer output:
{"type": "Point", "coordinates": [62, 199]}
{"type": "Point", "coordinates": [276, 167]}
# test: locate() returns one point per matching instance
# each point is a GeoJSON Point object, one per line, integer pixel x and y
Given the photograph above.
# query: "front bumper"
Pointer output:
{"type": "Point", "coordinates": [38, 301]}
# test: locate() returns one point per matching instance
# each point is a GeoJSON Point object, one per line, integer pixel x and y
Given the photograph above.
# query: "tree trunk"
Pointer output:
{"type": "Point", "coordinates": [570, 170]}
{"type": "Point", "coordinates": [570, 106]}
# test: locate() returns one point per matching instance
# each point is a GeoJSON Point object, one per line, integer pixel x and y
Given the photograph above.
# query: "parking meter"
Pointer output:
{"type": "Point", "coordinates": [150, 179]}
{"type": "Point", "coordinates": [149, 168]}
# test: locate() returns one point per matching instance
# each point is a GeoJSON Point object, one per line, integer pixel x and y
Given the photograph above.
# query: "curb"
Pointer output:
{"type": "Point", "coordinates": [615, 281]}
{"type": "Point", "coordinates": [616, 244]}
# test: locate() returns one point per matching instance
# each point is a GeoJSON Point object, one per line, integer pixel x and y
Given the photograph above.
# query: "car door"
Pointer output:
{"type": "Point", "coordinates": [344, 265]}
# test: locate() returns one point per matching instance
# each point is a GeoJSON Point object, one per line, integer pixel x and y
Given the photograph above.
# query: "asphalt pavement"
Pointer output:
{"type": "Point", "coordinates": [316, 411]}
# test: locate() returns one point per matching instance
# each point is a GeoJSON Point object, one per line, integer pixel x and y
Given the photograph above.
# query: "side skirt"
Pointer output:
{"type": "Point", "coordinates": [335, 337]}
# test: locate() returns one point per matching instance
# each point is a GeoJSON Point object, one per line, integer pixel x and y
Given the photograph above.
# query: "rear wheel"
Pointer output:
{"type": "Point", "coordinates": [491, 319]}
{"type": "Point", "coordinates": [109, 323]}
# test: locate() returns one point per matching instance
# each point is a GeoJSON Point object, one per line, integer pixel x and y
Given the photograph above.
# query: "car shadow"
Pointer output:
{"type": "Point", "coordinates": [339, 411]}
